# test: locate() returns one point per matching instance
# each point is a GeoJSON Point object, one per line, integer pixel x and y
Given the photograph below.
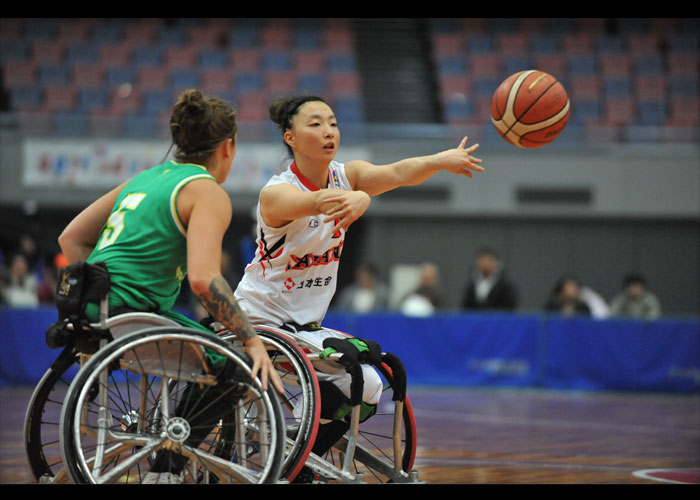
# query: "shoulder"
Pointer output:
{"type": "Point", "coordinates": [204, 192]}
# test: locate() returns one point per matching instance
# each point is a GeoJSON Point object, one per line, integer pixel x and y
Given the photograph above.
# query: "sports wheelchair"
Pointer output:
{"type": "Point", "coordinates": [379, 449]}
{"type": "Point", "coordinates": [149, 400]}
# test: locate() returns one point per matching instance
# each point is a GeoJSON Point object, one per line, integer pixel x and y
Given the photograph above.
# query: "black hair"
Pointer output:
{"type": "Point", "coordinates": [283, 110]}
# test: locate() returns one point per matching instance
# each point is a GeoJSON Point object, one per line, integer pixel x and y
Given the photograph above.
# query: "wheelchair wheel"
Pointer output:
{"type": "Point", "coordinates": [172, 404]}
{"type": "Point", "coordinates": [41, 423]}
{"type": "Point", "coordinates": [374, 457]}
{"type": "Point", "coordinates": [301, 403]}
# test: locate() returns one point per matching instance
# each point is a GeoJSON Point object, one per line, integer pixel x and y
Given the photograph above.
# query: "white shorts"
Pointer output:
{"type": "Point", "coordinates": [334, 372]}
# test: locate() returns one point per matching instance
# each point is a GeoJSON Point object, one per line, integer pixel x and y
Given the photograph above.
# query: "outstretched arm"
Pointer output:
{"type": "Point", "coordinates": [378, 179]}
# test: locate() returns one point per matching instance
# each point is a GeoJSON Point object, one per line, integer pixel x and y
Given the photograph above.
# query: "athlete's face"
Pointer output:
{"type": "Point", "coordinates": [314, 133]}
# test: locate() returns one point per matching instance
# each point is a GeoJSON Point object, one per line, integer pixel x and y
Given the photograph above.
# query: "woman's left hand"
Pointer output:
{"type": "Point", "coordinates": [460, 160]}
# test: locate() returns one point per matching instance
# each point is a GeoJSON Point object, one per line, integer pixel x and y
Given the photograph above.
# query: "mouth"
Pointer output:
{"type": "Point", "coordinates": [329, 146]}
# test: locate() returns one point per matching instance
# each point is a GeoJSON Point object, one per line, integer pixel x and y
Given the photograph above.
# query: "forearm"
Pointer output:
{"type": "Point", "coordinates": [378, 179]}
{"type": "Point", "coordinates": [413, 171]}
{"type": "Point", "coordinates": [219, 301]}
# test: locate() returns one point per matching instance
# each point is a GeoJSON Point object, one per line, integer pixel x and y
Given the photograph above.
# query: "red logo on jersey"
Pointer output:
{"type": "Point", "coordinates": [289, 283]}
{"type": "Point", "coordinates": [311, 260]}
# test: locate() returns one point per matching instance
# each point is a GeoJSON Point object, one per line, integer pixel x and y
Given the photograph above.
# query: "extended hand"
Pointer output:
{"type": "Point", "coordinates": [460, 160]}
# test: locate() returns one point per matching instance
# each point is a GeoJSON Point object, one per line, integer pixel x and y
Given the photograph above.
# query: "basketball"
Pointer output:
{"type": "Point", "coordinates": [530, 109]}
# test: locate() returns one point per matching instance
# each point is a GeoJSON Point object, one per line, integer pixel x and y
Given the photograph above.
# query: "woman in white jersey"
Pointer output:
{"type": "Point", "coordinates": [302, 217]}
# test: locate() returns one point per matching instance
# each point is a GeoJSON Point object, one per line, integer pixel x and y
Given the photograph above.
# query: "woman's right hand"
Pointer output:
{"type": "Point", "coordinates": [344, 207]}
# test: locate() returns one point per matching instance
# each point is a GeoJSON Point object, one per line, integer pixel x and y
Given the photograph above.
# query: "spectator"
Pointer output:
{"type": "Point", "coordinates": [366, 294]}
{"type": "Point", "coordinates": [488, 287]}
{"type": "Point", "coordinates": [22, 285]}
{"type": "Point", "coordinates": [599, 308]}
{"type": "Point", "coordinates": [428, 297]}
{"type": "Point", "coordinates": [635, 300]}
{"type": "Point", "coordinates": [47, 286]}
{"type": "Point", "coordinates": [566, 298]}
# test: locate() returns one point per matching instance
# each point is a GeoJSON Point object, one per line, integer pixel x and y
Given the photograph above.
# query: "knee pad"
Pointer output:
{"type": "Point", "coordinates": [336, 406]}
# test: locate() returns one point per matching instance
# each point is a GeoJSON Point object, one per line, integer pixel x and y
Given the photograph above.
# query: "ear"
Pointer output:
{"type": "Point", "coordinates": [228, 148]}
{"type": "Point", "coordinates": [289, 138]}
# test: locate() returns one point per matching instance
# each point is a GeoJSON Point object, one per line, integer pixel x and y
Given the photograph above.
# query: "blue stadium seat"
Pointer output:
{"type": "Point", "coordinates": [81, 53]}
{"type": "Point", "coordinates": [683, 85]}
{"type": "Point", "coordinates": [53, 74]}
{"type": "Point", "coordinates": [477, 43]}
{"type": "Point", "coordinates": [580, 65]}
{"type": "Point", "coordinates": [148, 56]}
{"type": "Point", "coordinates": [92, 99]}
{"type": "Point", "coordinates": [585, 110]}
{"type": "Point", "coordinates": [184, 79]}
{"type": "Point", "coordinates": [156, 102]}
{"type": "Point", "coordinates": [451, 65]}
{"type": "Point", "coordinates": [246, 82]}
{"type": "Point", "coordinates": [312, 83]}
{"type": "Point", "coordinates": [514, 63]}
{"type": "Point", "coordinates": [120, 75]}
{"type": "Point", "coordinates": [26, 98]}
{"type": "Point", "coordinates": [245, 36]}
{"type": "Point", "coordinates": [650, 64]}
{"type": "Point", "coordinates": [617, 86]}
{"type": "Point", "coordinates": [610, 43]}
{"type": "Point", "coordinates": [652, 112]}
{"type": "Point", "coordinates": [547, 44]}
{"type": "Point", "coordinates": [213, 58]}
{"type": "Point", "coordinates": [14, 50]}
{"type": "Point", "coordinates": [307, 38]}
{"type": "Point", "coordinates": [341, 63]}
{"type": "Point", "coordinates": [277, 61]}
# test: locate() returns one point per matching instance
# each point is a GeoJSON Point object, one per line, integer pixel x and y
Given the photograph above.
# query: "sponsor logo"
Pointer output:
{"type": "Point", "coordinates": [310, 260]}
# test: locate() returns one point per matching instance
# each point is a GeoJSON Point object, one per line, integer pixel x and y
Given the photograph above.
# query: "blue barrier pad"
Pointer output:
{"type": "Point", "coordinates": [489, 350]}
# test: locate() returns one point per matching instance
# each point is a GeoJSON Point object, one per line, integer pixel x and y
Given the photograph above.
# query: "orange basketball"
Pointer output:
{"type": "Point", "coordinates": [530, 109]}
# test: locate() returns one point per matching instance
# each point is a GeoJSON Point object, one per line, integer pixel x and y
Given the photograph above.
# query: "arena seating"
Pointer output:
{"type": "Point", "coordinates": [618, 72]}
{"type": "Point", "coordinates": [623, 73]}
{"type": "Point", "coordinates": [80, 69]}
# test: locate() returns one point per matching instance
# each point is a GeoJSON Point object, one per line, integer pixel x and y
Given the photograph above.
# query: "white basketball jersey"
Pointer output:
{"type": "Point", "coordinates": [292, 277]}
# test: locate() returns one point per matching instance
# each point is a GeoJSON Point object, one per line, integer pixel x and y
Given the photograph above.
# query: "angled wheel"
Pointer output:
{"type": "Point", "coordinates": [41, 423]}
{"type": "Point", "coordinates": [172, 404]}
{"type": "Point", "coordinates": [378, 457]}
{"type": "Point", "coordinates": [300, 402]}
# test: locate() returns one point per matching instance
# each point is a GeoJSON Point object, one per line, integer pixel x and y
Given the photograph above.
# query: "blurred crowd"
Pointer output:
{"type": "Point", "coordinates": [28, 279]}
{"type": "Point", "coordinates": [489, 288]}
{"type": "Point", "coordinates": [28, 276]}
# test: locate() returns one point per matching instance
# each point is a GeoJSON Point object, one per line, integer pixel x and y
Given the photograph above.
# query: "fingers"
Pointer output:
{"type": "Point", "coordinates": [267, 374]}
{"type": "Point", "coordinates": [254, 374]}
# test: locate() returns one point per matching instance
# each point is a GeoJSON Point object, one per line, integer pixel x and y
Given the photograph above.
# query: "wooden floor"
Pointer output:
{"type": "Point", "coordinates": [480, 436]}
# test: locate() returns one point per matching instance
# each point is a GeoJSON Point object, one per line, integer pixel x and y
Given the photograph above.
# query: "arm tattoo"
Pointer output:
{"type": "Point", "coordinates": [221, 304]}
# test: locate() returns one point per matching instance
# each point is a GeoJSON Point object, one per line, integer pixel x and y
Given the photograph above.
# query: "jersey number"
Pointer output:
{"type": "Point", "coordinates": [115, 223]}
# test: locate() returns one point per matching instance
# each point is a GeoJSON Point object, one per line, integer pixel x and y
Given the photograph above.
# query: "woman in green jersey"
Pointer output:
{"type": "Point", "coordinates": [168, 222]}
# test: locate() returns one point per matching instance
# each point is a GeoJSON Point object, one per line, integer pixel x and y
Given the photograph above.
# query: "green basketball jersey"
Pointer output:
{"type": "Point", "coordinates": [144, 242]}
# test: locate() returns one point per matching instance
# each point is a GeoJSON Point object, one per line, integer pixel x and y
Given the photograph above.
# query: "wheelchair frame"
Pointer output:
{"type": "Point", "coordinates": [106, 338]}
